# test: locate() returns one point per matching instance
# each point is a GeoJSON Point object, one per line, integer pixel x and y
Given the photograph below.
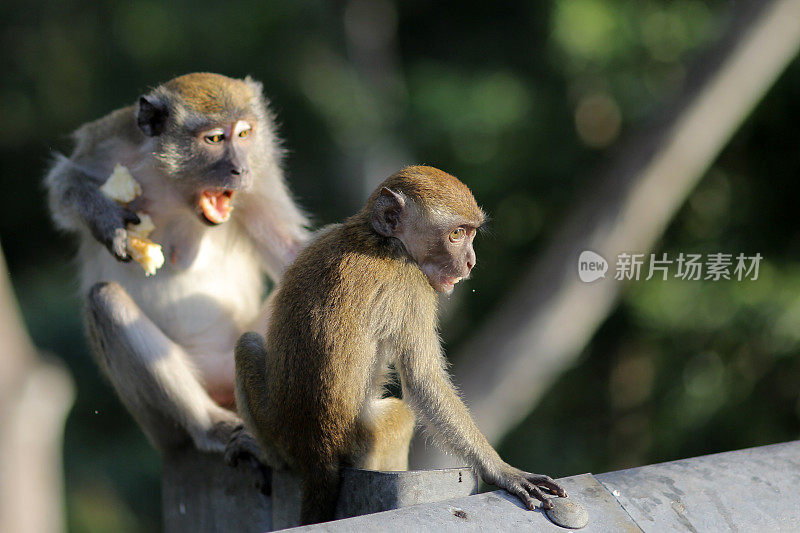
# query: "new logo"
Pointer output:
{"type": "Point", "coordinates": [591, 266]}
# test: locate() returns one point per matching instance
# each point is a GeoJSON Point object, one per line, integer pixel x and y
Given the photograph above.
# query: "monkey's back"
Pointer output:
{"type": "Point", "coordinates": [323, 342]}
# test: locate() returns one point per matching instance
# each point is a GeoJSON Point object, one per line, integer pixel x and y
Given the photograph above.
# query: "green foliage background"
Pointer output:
{"type": "Point", "coordinates": [525, 101]}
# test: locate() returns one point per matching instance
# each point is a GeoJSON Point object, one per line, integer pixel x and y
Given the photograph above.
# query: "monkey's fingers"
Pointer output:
{"type": "Point", "coordinates": [547, 483]}
{"type": "Point", "coordinates": [107, 224]}
{"type": "Point", "coordinates": [130, 217]}
{"type": "Point", "coordinates": [239, 446]}
{"type": "Point", "coordinates": [118, 245]}
{"type": "Point", "coordinates": [243, 448]}
{"type": "Point", "coordinates": [529, 493]}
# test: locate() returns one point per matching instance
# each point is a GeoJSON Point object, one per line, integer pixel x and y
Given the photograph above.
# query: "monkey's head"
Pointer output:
{"type": "Point", "coordinates": [436, 218]}
{"type": "Point", "coordinates": [210, 132]}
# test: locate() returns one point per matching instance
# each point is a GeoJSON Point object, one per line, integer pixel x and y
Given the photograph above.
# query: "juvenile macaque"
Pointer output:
{"type": "Point", "coordinates": [203, 149]}
{"type": "Point", "coordinates": [360, 297]}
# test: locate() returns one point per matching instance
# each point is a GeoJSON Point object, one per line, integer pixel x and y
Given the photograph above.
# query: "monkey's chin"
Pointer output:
{"type": "Point", "coordinates": [215, 205]}
{"type": "Point", "coordinates": [446, 285]}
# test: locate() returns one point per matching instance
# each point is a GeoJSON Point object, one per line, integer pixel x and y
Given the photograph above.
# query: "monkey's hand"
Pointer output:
{"type": "Point", "coordinates": [107, 220]}
{"type": "Point", "coordinates": [525, 486]}
{"type": "Point", "coordinates": [243, 448]}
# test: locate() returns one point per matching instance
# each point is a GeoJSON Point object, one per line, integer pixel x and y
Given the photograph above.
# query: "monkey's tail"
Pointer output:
{"type": "Point", "coordinates": [320, 494]}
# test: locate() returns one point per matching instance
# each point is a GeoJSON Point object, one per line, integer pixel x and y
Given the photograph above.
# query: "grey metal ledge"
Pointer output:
{"type": "Point", "coordinates": [490, 511]}
{"type": "Point", "coordinates": [756, 489]}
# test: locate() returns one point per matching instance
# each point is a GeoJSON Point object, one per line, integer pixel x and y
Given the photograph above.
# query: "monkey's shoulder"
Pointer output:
{"type": "Point", "coordinates": [355, 253]}
{"type": "Point", "coordinates": [348, 276]}
{"type": "Point", "coordinates": [118, 128]}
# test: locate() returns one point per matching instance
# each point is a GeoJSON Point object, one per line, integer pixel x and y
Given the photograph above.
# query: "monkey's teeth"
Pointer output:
{"type": "Point", "coordinates": [448, 284]}
{"type": "Point", "coordinates": [216, 205]}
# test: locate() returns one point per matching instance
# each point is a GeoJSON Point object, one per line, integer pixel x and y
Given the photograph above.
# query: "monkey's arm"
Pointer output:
{"type": "Point", "coordinates": [74, 184]}
{"type": "Point", "coordinates": [428, 390]}
{"type": "Point", "coordinates": [276, 225]}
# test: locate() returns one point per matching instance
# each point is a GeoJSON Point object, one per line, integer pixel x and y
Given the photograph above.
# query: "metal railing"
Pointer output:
{"type": "Point", "coordinates": [756, 489]}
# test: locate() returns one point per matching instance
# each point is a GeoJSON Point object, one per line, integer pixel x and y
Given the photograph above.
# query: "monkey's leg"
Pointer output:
{"type": "Point", "coordinates": [152, 375]}
{"type": "Point", "coordinates": [251, 396]}
{"type": "Point", "coordinates": [388, 431]}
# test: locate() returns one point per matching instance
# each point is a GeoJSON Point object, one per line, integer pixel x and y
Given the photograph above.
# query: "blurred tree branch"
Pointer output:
{"type": "Point", "coordinates": [550, 317]}
{"type": "Point", "coordinates": [35, 397]}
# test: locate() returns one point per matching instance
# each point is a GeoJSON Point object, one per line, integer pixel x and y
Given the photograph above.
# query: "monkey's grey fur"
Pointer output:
{"type": "Point", "coordinates": [166, 342]}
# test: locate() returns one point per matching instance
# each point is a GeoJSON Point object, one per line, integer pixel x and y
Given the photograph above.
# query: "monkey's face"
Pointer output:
{"type": "Point", "coordinates": [205, 149]}
{"type": "Point", "coordinates": [439, 239]}
{"type": "Point", "coordinates": [224, 168]}
{"type": "Point", "coordinates": [441, 244]}
{"type": "Point", "coordinates": [209, 164]}
{"type": "Point", "coordinates": [447, 256]}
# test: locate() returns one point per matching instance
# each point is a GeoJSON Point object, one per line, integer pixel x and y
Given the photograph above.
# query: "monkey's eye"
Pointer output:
{"type": "Point", "coordinates": [242, 129]}
{"type": "Point", "coordinates": [457, 235]}
{"type": "Point", "coordinates": [215, 138]}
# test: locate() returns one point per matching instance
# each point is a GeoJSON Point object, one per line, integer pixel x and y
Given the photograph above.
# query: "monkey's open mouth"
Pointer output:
{"type": "Point", "coordinates": [216, 205]}
{"type": "Point", "coordinates": [448, 283]}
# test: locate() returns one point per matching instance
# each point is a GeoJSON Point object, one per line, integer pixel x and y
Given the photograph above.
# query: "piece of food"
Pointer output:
{"type": "Point", "coordinates": [143, 250]}
{"type": "Point", "coordinates": [144, 228]}
{"type": "Point", "coordinates": [121, 186]}
{"type": "Point", "coordinates": [146, 253]}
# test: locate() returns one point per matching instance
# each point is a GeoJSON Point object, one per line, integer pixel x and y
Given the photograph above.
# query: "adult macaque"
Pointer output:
{"type": "Point", "coordinates": [199, 145]}
{"type": "Point", "coordinates": [360, 297]}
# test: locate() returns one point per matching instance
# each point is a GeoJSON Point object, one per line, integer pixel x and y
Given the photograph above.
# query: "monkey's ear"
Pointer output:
{"type": "Point", "coordinates": [151, 117]}
{"type": "Point", "coordinates": [387, 212]}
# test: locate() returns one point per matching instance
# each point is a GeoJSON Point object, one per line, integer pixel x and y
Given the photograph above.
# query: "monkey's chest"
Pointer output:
{"type": "Point", "coordinates": [203, 307]}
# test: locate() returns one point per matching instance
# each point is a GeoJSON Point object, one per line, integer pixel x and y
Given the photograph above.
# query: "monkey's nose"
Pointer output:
{"type": "Point", "coordinates": [470, 260]}
{"type": "Point", "coordinates": [239, 171]}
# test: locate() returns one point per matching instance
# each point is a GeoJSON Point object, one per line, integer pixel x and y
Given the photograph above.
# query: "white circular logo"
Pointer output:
{"type": "Point", "coordinates": [591, 266]}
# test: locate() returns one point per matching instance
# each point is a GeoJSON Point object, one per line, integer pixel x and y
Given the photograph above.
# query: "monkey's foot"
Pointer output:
{"type": "Point", "coordinates": [216, 437]}
{"type": "Point", "coordinates": [243, 448]}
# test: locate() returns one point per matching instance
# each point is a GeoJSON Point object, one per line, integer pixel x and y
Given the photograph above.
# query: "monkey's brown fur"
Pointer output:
{"type": "Point", "coordinates": [352, 303]}
{"type": "Point", "coordinates": [201, 92]}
